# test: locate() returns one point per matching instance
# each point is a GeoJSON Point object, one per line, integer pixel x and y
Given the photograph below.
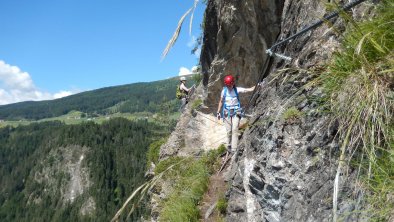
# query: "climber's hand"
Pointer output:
{"type": "Point", "coordinates": [218, 116]}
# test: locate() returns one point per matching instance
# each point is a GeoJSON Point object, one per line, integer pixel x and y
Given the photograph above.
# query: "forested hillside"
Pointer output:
{"type": "Point", "coordinates": [137, 97]}
{"type": "Point", "coordinates": [55, 172]}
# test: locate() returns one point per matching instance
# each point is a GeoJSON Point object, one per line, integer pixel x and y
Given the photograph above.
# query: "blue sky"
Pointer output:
{"type": "Point", "coordinates": [51, 48]}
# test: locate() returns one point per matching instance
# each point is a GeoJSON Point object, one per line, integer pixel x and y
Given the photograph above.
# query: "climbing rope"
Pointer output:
{"type": "Point", "coordinates": [346, 7]}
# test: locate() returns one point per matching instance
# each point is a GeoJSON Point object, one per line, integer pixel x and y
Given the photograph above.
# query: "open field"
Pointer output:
{"type": "Point", "coordinates": [76, 117]}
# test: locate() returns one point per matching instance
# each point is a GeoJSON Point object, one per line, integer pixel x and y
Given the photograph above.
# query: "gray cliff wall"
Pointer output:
{"type": "Point", "coordinates": [285, 167]}
{"type": "Point", "coordinates": [235, 39]}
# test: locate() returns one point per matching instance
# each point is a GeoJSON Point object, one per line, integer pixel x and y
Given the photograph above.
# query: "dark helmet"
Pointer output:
{"type": "Point", "coordinates": [229, 80]}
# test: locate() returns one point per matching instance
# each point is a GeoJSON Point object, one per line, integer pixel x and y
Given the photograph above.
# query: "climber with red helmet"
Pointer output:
{"type": "Point", "coordinates": [229, 110]}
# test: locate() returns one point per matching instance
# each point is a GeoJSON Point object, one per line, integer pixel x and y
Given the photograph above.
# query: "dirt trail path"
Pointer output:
{"type": "Point", "coordinates": [217, 188]}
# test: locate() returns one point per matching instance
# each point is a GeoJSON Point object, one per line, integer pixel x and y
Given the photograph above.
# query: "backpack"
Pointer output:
{"type": "Point", "coordinates": [178, 93]}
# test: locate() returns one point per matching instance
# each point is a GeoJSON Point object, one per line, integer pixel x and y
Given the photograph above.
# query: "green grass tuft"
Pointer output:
{"type": "Point", "coordinates": [191, 179]}
{"type": "Point", "coordinates": [152, 155]}
{"type": "Point", "coordinates": [292, 114]}
{"type": "Point", "coordinates": [381, 183]}
{"type": "Point", "coordinates": [164, 164]}
{"type": "Point", "coordinates": [221, 149]}
{"type": "Point", "coordinates": [222, 203]}
{"type": "Point", "coordinates": [196, 103]}
{"type": "Point", "coordinates": [359, 87]}
{"type": "Point", "coordinates": [191, 184]}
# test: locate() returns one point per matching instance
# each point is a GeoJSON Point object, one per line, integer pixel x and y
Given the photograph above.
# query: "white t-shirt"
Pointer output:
{"type": "Point", "coordinates": [230, 98]}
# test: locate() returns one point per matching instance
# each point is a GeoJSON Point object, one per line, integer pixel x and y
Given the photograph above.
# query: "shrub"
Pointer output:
{"type": "Point", "coordinates": [152, 155]}
{"type": "Point", "coordinates": [292, 114]}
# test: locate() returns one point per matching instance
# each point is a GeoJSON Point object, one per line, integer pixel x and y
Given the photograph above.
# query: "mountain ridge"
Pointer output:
{"type": "Point", "coordinates": [134, 97]}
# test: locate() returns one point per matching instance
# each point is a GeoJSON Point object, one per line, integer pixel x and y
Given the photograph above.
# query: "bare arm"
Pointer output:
{"type": "Point", "coordinates": [183, 87]}
{"type": "Point", "coordinates": [250, 89]}
{"type": "Point", "coordinates": [220, 105]}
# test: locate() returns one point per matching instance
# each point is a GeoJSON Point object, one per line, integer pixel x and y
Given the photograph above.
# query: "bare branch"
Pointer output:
{"type": "Point", "coordinates": [191, 18]}
{"type": "Point", "coordinates": [176, 34]}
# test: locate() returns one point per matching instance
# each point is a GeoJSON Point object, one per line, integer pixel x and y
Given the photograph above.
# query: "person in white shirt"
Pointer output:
{"type": "Point", "coordinates": [229, 110]}
{"type": "Point", "coordinates": [184, 91]}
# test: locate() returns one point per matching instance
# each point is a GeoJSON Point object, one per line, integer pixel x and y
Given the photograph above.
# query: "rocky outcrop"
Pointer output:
{"type": "Point", "coordinates": [285, 166]}
{"type": "Point", "coordinates": [194, 134]}
{"type": "Point", "coordinates": [236, 36]}
{"type": "Point", "coordinates": [64, 172]}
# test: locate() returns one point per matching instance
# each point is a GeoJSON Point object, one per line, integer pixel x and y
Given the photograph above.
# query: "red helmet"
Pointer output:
{"type": "Point", "coordinates": [229, 80]}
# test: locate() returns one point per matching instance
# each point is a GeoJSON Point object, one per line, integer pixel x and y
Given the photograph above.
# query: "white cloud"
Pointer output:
{"type": "Point", "coordinates": [185, 71]}
{"type": "Point", "coordinates": [194, 69]}
{"type": "Point", "coordinates": [62, 94]}
{"type": "Point", "coordinates": [17, 86]}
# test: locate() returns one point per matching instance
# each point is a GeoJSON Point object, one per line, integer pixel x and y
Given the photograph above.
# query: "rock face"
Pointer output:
{"type": "Point", "coordinates": [195, 132]}
{"type": "Point", "coordinates": [286, 163]}
{"type": "Point", "coordinates": [235, 39]}
{"type": "Point", "coordinates": [67, 165]}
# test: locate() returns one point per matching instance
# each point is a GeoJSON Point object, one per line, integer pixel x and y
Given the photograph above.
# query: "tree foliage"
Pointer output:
{"type": "Point", "coordinates": [116, 160]}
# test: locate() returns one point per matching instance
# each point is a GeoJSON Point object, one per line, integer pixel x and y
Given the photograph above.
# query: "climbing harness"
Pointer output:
{"type": "Point", "coordinates": [346, 7]}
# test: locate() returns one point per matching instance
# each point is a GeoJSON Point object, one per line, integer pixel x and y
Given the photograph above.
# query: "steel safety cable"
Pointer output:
{"type": "Point", "coordinates": [314, 25]}
{"type": "Point", "coordinates": [346, 7]}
